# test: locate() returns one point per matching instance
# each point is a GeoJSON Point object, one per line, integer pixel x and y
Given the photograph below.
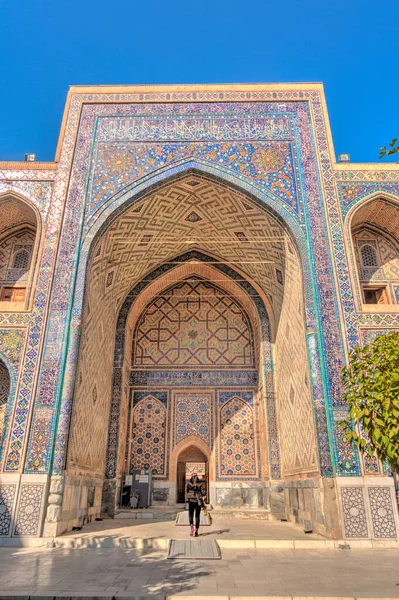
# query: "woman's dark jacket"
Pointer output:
{"type": "Point", "coordinates": [195, 492]}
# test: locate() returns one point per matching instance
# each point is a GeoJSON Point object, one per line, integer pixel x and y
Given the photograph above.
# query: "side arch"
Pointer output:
{"type": "Point", "coordinates": [393, 233]}
{"type": "Point", "coordinates": [22, 215]}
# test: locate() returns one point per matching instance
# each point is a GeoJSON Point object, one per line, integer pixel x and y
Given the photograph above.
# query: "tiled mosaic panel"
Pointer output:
{"type": "Point", "coordinates": [237, 439]}
{"type": "Point", "coordinates": [5, 385]}
{"type": "Point", "coordinates": [348, 458]}
{"type": "Point", "coordinates": [195, 378]}
{"type": "Point", "coordinates": [7, 495]}
{"type": "Point", "coordinates": [269, 164]}
{"type": "Point", "coordinates": [368, 335]}
{"type": "Point", "coordinates": [11, 344]}
{"type": "Point", "coordinates": [192, 416]}
{"type": "Point", "coordinates": [355, 520]}
{"type": "Point", "coordinates": [351, 193]}
{"type": "Point", "coordinates": [382, 512]}
{"type": "Point", "coordinates": [29, 506]}
{"type": "Point", "coordinates": [149, 436]}
{"type": "Point", "coordinates": [193, 323]}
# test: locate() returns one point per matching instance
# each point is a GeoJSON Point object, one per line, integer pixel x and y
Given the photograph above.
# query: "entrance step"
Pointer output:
{"type": "Point", "coordinates": [242, 513]}
{"type": "Point", "coordinates": [159, 513]}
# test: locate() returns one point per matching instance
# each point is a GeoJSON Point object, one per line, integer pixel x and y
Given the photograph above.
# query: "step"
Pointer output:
{"type": "Point", "coordinates": [242, 513]}
{"type": "Point", "coordinates": [152, 512]}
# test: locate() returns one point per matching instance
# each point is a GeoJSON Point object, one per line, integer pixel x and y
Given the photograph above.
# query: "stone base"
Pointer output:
{"type": "Point", "coordinates": [238, 494]}
{"type": "Point", "coordinates": [311, 503]}
{"type": "Point", "coordinates": [352, 508]}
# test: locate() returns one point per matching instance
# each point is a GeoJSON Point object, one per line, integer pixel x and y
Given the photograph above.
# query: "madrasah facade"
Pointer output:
{"type": "Point", "coordinates": [182, 285]}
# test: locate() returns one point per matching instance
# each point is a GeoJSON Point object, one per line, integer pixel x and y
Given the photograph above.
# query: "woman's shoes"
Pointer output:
{"type": "Point", "coordinates": [192, 530]}
{"type": "Point", "coordinates": [196, 533]}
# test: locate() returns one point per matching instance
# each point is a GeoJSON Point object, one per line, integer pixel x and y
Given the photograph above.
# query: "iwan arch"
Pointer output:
{"type": "Point", "coordinates": [184, 283]}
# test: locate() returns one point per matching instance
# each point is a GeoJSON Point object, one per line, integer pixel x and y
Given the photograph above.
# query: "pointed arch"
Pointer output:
{"type": "Point", "coordinates": [20, 233]}
{"type": "Point", "coordinates": [373, 221]}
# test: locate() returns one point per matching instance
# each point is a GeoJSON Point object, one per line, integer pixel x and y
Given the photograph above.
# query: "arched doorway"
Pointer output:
{"type": "Point", "coordinates": [190, 460]}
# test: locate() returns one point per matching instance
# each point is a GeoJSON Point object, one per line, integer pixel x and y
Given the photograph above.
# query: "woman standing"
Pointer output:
{"type": "Point", "coordinates": [195, 496]}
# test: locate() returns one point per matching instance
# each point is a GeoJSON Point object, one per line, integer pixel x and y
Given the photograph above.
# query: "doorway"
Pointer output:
{"type": "Point", "coordinates": [191, 460]}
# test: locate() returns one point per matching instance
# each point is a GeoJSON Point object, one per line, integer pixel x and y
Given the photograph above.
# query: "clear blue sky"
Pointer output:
{"type": "Point", "coordinates": [352, 46]}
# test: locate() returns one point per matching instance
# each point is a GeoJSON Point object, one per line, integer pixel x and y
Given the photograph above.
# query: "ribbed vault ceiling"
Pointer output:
{"type": "Point", "coordinates": [194, 212]}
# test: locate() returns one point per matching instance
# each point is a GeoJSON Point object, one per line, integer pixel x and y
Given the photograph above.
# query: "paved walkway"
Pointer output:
{"type": "Point", "coordinates": [149, 574]}
{"type": "Point", "coordinates": [221, 528]}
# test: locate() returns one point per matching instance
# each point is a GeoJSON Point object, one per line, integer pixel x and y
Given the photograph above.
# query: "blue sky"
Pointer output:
{"type": "Point", "coordinates": [352, 46]}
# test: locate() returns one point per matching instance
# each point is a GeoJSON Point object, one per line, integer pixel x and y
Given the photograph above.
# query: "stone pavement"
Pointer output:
{"type": "Point", "coordinates": [221, 528]}
{"type": "Point", "coordinates": [148, 573]}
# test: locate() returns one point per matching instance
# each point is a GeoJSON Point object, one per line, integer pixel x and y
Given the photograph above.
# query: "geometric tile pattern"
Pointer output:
{"type": "Point", "coordinates": [29, 509]}
{"type": "Point", "coordinates": [5, 385]}
{"type": "Point", "coordinates": [7, 495]}
{"type": "Point", "coordinates": [194, 323]}
{"type": "Point", "coordinates": [382, 512]}
{"type": "Point", "coordinates": [267, 163]}
{"type": "Point", "coordinates": [11, 344]}
{"type": "Point", "coordinates": [193, 416]}
{"type": "Point", "coordinates": [237, 439]}
{"type": "Point", "coordinates": [149, 431]}
{"type": "Point", "coordinates": [355, 521]}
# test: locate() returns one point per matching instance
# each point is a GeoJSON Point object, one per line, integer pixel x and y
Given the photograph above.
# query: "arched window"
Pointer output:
{"type": "Point", "coordinates": [21, 259]}
{"type": "Point", "coordinates": [5, 385]}
{"type": "Point", "coordinates": [18, 231]}
{"type": "Point", "coordinates": [369, 256]}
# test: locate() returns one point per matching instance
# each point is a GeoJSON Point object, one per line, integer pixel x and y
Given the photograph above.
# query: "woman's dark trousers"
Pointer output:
{"type": "Point", "coordinates": [194, 506]}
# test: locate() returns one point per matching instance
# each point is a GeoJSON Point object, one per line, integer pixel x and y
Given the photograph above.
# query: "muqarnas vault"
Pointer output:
{"type": "Point", "coordinates": [181, 286]}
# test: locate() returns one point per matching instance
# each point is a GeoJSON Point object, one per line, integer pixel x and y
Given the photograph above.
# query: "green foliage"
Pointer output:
{"type": "Point", "coordinates": [371, 390]}
{"type": "Point", "coordinates": [392, 148]}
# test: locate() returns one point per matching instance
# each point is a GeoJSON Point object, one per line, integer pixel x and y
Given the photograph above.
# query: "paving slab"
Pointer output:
{"type": "Point", "coordinates": [290, 573]}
